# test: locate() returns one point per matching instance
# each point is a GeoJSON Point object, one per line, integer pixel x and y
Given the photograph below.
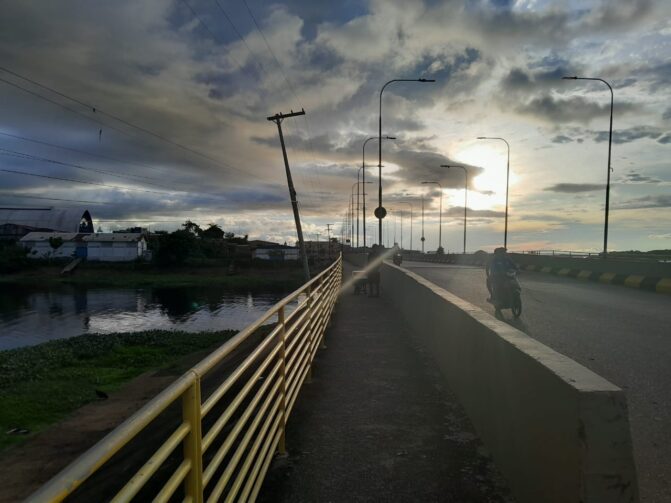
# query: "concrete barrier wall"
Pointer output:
{"type": "Point", "coordinates": [356, 259]}
{"type": "Point", "coordinates": [625, 267]}
{"type": "Point", "coordinates": [557, 431]}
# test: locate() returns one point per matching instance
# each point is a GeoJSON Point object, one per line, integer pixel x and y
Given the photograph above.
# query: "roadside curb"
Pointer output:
{"type": "Point", "coordinates": [649, 283]}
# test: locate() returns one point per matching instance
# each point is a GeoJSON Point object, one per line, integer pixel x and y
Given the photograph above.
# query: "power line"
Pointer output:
{"type": "Point", "coordinates": [242, 39]}
{"type": "Point", "coordinates": [81, 181]}
{"type": "Point", "coordinates": [97, 110]}
{"type": "Point", "coordinates": [23, 155]}
{"type": "Point", "coordinates": [65, 107]}
{"type": "Point", "coordinates": [85, 152]}
{"type": "Point", "coordinates": [258, 61]}
{"type": "Point", "coordinates": [289, 85]}
{"type": "Point", "coordinates": [23, 196]}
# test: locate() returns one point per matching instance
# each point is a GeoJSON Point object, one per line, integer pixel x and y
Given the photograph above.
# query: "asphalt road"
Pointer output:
{"type": "Point", "coordinates": [621, 334]}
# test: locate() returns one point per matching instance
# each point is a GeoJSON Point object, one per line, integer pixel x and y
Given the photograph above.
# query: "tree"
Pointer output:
{"type": "Point", "coordinates": [193, 228]}
{"type": "Point", "coordinates": [213, 232]}
{"type": "Point", "coordinates": [175, 248]}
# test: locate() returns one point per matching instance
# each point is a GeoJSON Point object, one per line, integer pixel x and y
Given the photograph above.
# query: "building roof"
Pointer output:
{"type": "Point", "coordinates": [44, 236]}
{"type": "Point", "coordinates": [113, 236]}
{"type": "Point", "coordinates": [48, 219]}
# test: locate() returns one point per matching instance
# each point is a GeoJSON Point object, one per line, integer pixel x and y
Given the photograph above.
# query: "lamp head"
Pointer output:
{"type": "Point", "coordinates": [390, 137]}
{"type": "Point", "coordinates": [570, 78]}
{"type": "Point", "coordinates": [481, 137]}
{"type": "Point", "coordinates": [426, 80]}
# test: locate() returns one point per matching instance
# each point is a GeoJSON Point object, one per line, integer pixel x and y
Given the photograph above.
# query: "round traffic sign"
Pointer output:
{"type": "Point", "coordinates": [380, 212]}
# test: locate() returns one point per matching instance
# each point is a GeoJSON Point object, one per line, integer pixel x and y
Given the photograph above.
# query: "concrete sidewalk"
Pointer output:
{"type": "Point", "coordinates": [376, 424]}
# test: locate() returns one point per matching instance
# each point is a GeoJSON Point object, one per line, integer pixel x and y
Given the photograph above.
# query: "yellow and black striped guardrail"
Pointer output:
{"type": "Point", "coordinates": [651, 283]}
{"type": "Point", "coordinates": [215, 445]}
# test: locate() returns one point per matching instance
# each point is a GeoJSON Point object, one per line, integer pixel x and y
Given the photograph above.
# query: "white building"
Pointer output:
{"type": "Point", "coordinates": [114, 247]}
{"type": "Point", "coordinates": [278, 253]}
{"type": "Point", "coordinates": [40, 244]}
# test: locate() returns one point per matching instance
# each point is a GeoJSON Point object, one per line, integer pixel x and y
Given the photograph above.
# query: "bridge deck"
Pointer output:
{"type": "Point", "coordinates": [376, 424]}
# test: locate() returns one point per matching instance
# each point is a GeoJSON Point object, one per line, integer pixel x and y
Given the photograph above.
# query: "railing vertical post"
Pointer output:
{"type": "Point", "coordinates": [193, 447]}
{"type": "Point", "coordinates": [311, 338]}
{"type": "Point", "coordinates": [282, 447]}
{"type": "Point", "coordinates": [325, 294]}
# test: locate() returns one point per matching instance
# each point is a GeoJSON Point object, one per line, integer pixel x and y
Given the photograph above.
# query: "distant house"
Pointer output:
{"type": "Point", "coordinates": [39, 244]}
{"type": "Point", "coordinates": [321, 250]}
{"type": "Point", "coordinates": [115, 247]}
{"type": "Point", "coordinates": [259, 243]}
{"type": "Point", "coordinates": [276, 253]}
{"type": "Point", "coordinates": [18, 222]}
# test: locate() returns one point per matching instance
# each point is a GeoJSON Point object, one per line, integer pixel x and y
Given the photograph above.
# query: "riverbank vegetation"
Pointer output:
{"type": "Point", "coordinates": [40, 385]}
{"type": "Point", "coordinates": [137, 274]}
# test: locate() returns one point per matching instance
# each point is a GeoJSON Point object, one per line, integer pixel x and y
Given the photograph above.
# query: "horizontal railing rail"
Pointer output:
{"type": "Point", "coordinates": [229, 434]}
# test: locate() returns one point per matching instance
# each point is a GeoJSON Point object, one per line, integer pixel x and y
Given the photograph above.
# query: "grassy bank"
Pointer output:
{"type": "Point", "coordinates": [141, 275]}
{"type": "Point", "coordinates": [39, 385]}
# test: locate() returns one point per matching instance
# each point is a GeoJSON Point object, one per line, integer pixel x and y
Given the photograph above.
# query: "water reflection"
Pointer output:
{"type": "Point", "coordinates": [30, 315]}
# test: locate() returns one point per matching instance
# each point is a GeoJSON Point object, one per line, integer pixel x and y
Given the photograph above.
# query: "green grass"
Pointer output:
{"type": "Point", "coordinates": [39, 385]}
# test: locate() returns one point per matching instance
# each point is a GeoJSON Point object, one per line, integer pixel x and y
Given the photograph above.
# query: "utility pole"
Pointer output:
{"type": "Point", "coordinates": [277, 119]}
{"type": "Point", "coordinates": [328, 230]}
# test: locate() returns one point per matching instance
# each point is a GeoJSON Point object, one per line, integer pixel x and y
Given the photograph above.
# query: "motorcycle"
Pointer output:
{"type": "Point", "coordinates": [398, 258]}
{"type": "Point", "coordinates": [508, 294]}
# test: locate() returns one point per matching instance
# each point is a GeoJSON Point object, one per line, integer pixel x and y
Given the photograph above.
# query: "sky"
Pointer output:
{"type": "Point", "coordinates": [152, 112]}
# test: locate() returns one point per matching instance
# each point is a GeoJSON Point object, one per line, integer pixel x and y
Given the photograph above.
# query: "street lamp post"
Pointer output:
{"type": "Point", "coordinates": [608, 168]}
{"type": "Point", "coordinates": [357, 206]}
{"type": "Point", "coordinates": [448, 166]}
{"type": "Point", "coordinates": [363, 168]}
{"type": "Point", "coordinates": [423, 239]}
{"type": "Point", "coordinates": [440, 216]}
{"type": "Point", "coordinates": [409, 204]}
{"type": "Point", "coordinates": [356, 184]}
{"type": "Point", "coordinates": [380, 211]}
{"type": "Point", "coordinates": [505, 231]}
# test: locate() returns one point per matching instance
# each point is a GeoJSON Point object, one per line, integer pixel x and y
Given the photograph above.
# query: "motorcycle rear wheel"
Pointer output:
{"type": "Point", "coordinates": [517, 305]}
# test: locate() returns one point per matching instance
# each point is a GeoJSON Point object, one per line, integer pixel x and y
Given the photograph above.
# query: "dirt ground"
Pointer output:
{"type": "Point", "coordinates": [28, 466]}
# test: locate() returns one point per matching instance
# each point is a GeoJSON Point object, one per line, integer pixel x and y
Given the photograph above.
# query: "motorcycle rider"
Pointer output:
{"type": "Point", "coordinates": [496, 271]}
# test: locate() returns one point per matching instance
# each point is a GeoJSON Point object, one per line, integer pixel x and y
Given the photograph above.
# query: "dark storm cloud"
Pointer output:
{"type": "Point", "coordinates": [667, 114]}
{"type": "Point", "coordinates": [659, 201]}
{"type": "Point", "coordinates": [665, 139]}
{"type": "Point", "coordinates": [573, 188]}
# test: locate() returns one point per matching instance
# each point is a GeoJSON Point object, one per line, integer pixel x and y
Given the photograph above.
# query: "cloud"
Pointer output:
{"type": "Point", "coordinates": [634, 177]}
{"type": "Point", "coordinates": [574, 188]}
{"type": "Point", "coordinates": [572, 109]}
{"type": "Point", "coordinates": [455, 211]}
{"type": "Point", "coordinates": [658, 201]}
{"type": "Point", "coordinates": [629, 135]}
{"type": "Point", "coordinates": [561, 139]}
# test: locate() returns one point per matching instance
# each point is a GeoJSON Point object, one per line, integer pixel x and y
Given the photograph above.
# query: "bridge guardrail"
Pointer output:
{"type": "Point", "coordinates": [253, 404]}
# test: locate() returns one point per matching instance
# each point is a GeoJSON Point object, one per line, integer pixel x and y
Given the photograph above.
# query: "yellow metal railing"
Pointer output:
{"type": "Point", "coordinates": [219, 447]}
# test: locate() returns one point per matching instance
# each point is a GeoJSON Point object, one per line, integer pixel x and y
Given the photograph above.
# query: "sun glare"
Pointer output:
{"type": "Point", "coordinates": [491, 183]}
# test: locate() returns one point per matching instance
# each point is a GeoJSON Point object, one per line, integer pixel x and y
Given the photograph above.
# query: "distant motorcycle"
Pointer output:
{"type": "Point", "coordinates": [398, 258]}
{"type": "Point", "coordinates": [508, 294]}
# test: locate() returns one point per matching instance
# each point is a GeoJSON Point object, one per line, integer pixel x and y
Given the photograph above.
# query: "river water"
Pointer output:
{"type": "Point", "coordinates": [30, 315]}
